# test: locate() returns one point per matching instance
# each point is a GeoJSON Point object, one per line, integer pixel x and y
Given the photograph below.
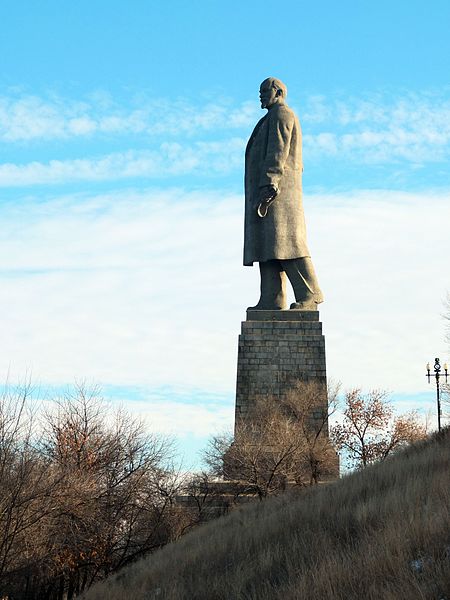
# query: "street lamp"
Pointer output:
{"type": "Point", "coordinates": [437, 374]}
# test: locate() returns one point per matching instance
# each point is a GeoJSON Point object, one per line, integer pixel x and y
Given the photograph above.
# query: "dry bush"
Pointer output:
{"type": "Point", "coordinates": [283, 442]}
{"type": "Point", "coordinates": [379, 533]}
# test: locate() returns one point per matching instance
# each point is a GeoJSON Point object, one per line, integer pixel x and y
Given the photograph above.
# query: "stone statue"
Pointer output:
{"type": "Point", "coordinates": [275, 233]}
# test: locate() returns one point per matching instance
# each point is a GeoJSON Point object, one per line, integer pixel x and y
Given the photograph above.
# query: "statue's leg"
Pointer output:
{"type": "Point", "coordinates": [302, 276]}
{"type": "Point", "coordinates": [273, 286]}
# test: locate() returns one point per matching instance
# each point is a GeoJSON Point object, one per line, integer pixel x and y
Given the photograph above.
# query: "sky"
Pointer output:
{"type": "Point", "coordinates": [122, 135]}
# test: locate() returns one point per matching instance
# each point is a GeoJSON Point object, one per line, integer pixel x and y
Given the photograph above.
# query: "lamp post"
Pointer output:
{"type": "Point", "coordinates": [437, 374]}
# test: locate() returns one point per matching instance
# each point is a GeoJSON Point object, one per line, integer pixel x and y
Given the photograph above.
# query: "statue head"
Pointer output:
{"type": "Point", "coordinates": [272, 91]}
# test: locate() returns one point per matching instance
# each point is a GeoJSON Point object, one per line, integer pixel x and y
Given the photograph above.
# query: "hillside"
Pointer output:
{"type": "Point", "coordinates": [380, 534]}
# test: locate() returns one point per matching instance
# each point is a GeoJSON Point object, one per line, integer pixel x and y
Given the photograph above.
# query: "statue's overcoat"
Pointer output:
{"type": "Point", "coordinates": [274, 156]}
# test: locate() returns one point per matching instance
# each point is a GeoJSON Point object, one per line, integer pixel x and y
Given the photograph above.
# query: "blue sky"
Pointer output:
{"type": "Point", "coordinates": [122, 132]}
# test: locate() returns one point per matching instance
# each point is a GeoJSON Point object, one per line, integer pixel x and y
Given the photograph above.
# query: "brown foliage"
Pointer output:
{"type": "Point", "coordinates": [369, 431]}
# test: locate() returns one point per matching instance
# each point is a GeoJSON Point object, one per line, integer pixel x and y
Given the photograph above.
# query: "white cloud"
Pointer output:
{"type": "Point", "coordinates": [415, 128]}
{"type": "Point", "coordinates": [369, 128]}
{"type": "Point", "coordinates": [31, 117]}
{"type": "Point", "coordinates": [178, 419]}
{"type": "Point", "coordinates": [170, 159]}
{"type": "Point", "coordinates": [386, 282]}
{"type": "Point", "coordinates": [140, 271]}
{"type": "Point", "coordinates": [146, 288]}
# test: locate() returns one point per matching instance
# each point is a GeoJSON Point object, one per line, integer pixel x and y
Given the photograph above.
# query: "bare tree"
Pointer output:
{"type": "Point", "coordinates": [369, 431]}
{"type": "Point", "coordinates": [284, 442]}
{"type": "Point", "coordinates": [82, 494]}
{"type": "Point", "coordinates": [310, 407]}
{"type": "Point", "coordinates": [117, 501]}
{"type": "Point", "coordinates": [27, 487]}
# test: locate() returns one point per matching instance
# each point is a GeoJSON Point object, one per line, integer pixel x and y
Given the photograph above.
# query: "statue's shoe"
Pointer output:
{"type": "Point", "coordinates": [306, 305]}
{"type": "Point", "coordinates": [260, 306]}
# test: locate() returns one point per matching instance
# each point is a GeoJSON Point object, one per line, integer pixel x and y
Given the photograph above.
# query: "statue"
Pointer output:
{"type": "Point", "coordinates": [275, 232]}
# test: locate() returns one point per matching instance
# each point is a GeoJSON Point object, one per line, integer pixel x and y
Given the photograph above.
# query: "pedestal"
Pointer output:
{"type": "Point", "coordinates": [277, 349]}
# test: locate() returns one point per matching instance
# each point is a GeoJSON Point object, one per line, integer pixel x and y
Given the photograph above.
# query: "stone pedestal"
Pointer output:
{"type": "Point", "coordinates": [277, 349]}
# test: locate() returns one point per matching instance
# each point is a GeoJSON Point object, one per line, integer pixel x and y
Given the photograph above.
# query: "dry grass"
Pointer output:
{"type": "Point", "coordinates": [379, 534]}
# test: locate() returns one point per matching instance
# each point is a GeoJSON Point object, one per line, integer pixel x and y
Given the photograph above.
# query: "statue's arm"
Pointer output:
{"type": "Point", "coordinates": [280, 127]}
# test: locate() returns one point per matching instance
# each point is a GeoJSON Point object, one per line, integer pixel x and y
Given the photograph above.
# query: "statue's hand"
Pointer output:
{"type": "Point", "coordinates": [267, 195]}
{"type": "Point", "coordinates": [268, 192]}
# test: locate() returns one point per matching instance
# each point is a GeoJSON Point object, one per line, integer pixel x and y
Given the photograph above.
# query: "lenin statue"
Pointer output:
{"type": "Point", "coordinates": [275, 232]}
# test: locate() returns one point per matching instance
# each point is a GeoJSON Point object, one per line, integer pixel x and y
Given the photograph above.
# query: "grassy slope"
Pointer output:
{"type": "Point", "coordinates": [354, 539]}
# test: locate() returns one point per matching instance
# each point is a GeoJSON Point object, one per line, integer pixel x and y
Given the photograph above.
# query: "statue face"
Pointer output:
{"type": "Point", "coordinates": [267, 95]}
